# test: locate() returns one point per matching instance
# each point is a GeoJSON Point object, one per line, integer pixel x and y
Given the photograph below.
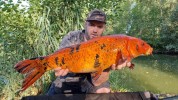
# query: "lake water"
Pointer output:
{"type": "Point", "coordinates": [157, 74]}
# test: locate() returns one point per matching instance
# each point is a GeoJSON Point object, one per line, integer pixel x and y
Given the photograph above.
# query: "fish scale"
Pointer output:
{"type": "Point", "coordinates": [92, 56]}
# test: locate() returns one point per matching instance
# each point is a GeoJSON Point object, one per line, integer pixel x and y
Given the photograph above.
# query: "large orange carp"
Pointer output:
{"type": "Point", "coordinates": [94, 55]}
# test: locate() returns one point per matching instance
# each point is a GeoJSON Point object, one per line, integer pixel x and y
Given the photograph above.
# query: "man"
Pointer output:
{"type": "Point", "coordinates": [67, 82]}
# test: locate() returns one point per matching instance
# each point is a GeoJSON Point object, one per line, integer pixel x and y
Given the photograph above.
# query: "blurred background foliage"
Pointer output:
{"type": "Point", "coordinates": [30, 28]}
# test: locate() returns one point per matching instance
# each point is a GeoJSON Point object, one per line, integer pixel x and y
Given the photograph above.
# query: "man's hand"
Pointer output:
{"type": "Point", "coordinates": [61, 72]}
{"type": "Point", "coordinates": [121, 65]}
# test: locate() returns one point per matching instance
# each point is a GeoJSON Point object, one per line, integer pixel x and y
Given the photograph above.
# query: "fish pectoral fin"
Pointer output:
{"type": "Point", "coordinates": [96, 75]}
{"type": "Point", "coordinates": [118, 57]}
{"type": "Point", "coordinates": [131, 66]}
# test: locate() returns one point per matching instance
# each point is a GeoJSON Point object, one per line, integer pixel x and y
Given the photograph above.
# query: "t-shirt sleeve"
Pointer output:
{"type": "Point", "coordinates": [71, 38]}
{"type": "Point", "coordinates": [65, 42]}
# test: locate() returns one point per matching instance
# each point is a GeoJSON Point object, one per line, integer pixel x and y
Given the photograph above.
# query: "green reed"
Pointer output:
{"type": "Point", "coordinates": [41, 39]}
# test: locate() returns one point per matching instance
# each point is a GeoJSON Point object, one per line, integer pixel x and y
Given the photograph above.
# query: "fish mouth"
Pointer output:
{"type": "Point", "coordinates": [150, 51]}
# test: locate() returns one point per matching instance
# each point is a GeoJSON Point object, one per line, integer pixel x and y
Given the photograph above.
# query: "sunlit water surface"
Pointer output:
{"type": "Point", "coordinates": [157, 74]}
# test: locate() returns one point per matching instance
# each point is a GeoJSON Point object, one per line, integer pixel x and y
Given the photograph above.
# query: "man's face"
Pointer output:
{"type": "Point", "coordinates": [94, 28]}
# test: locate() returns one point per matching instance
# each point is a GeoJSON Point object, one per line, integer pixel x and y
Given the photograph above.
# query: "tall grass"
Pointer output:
{"type": "Point", "coordinates": [43, 41]}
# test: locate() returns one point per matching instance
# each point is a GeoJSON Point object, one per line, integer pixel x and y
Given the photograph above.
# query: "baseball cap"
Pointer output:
{"type": "Point", "coordinates": [97, 15]}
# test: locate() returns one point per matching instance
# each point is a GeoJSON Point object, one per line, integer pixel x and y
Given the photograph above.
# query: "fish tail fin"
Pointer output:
{"type": "Point", "coordinates": [33, 70]}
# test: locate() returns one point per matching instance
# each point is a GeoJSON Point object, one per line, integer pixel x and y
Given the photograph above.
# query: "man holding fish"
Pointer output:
{"type": "Point", "coordinates": [67, 82]}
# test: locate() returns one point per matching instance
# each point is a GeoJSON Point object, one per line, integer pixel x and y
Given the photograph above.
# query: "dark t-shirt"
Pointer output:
{"type": "Point", "coordinates": [73, 38]}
